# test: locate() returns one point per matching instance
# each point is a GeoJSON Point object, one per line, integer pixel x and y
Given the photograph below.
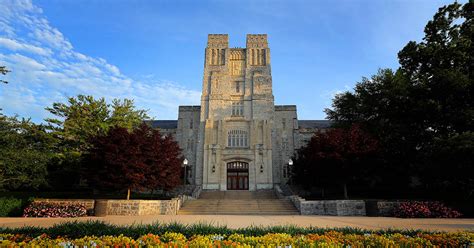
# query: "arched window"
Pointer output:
{"type": "Point", "coordinates": [237, 138]}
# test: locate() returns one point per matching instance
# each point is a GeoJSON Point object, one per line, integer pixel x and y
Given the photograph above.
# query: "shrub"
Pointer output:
{"type": "Point", "coordinates": [10, 206]}
{"type": "Point", "coordinates": [425, 209]}
{"type": "Point", "coordinates": [49, 209]}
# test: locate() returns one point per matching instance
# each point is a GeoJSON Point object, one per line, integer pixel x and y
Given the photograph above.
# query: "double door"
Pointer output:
{"type": "Point", "coordinates": [237, 175]}
{"type": "Point", "coordinates": [238, 180]}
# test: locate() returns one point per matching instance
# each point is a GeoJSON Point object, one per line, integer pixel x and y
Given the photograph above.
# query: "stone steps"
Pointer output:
{"type": "Point", "coordinates": [231, 203]}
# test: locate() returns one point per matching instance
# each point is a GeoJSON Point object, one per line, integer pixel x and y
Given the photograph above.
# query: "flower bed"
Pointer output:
{"type": "Point", "coordinates": [50, 209]}
{"type": "Point", "coordinates": [421, 209]}
{"type": "Point", "coordinates": [327, 239]}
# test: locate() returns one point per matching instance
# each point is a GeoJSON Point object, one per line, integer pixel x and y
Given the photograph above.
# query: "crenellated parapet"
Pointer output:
{"type": "Point", "coordinates": [257, 41]}
{"type": "Point", "coordinates": [218, 41]}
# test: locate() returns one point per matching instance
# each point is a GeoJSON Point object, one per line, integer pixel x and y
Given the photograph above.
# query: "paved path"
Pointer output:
{"type": "Point", "coordinates": [237, 221]}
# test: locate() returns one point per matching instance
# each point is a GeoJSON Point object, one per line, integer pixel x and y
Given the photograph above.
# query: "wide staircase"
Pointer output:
{"type": "Point", "coordinates": [262, 202]}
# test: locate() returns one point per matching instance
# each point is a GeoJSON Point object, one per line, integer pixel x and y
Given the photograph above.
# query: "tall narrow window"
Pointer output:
{"type": "Point", "coordinates": [237, 138]}
{"type": "Point", "coordinates": [237, 109]}
{"type": "Point", "coordinates": [237, 87]}
{"type": "Point", "coordinates": [222, 57]}
{"type": "Point", "coordinates": [213, 54]}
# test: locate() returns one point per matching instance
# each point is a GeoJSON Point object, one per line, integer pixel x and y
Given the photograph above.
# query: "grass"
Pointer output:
{"type": "Point", "coordinates": [99, 228]}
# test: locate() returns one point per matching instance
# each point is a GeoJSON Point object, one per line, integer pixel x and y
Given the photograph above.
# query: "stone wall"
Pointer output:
{"type": "Point", "coordinates": [137, 207]}
{"type": "Point", "coordinates": [381, 207]}
{"type": "Point", "coordinates": [327, 207]}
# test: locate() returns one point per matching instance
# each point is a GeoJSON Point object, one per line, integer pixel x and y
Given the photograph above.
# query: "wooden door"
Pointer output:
{"type": "Point", "coordinates": [237, 176]}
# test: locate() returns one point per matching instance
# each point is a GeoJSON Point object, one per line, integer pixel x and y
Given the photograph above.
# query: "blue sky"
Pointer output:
{"type": "Point", "coordinates": [153, 51]}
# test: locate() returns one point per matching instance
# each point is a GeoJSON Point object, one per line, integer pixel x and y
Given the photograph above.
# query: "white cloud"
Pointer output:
{"type": "Point", "coordinates": [45, 68]}
{"type": "Point", "coordinates": [18, 46]}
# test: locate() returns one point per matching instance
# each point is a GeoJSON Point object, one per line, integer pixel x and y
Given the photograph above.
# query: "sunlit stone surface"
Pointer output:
{"type": "Point", "coordinates": [238, 139]}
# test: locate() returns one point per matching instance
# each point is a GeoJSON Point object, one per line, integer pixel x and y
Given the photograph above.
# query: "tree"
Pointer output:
{"type": "Point", "coordinates": [424, 103]}
{"type": "Point", "coordinates": [136, 160]}
{"type": "Point", "coordinates": [338, 156]}
{"type": "Point", "coordinates": [76, 123]}
{"type": "Point", "coordinates": [25, 150]}
{"type": "Point", "coordinates": [3, 71]}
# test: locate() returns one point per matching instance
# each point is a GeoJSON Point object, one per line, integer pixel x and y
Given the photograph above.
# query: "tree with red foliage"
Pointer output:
{"type": "Point", "coordinates": [337, 156]}
{"type": "Point", "coordinates": [164, 156]}
{"type": "Point", "coordinates": [137, 160]}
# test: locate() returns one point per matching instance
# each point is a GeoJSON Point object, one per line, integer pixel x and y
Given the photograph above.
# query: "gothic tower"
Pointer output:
{"type": "Point", "coordinates": [234, 148]}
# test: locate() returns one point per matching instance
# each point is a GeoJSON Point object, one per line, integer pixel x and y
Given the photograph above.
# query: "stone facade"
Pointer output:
{"type": "Point", "coordinates": [238, 138]}
{"type": "Point", "coordinates": [328, 207]}
{"type": "Point", "coordinates": [137, 207]}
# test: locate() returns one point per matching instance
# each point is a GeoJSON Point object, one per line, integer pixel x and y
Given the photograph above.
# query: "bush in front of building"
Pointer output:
{"type": "Point", "coordinates": [49, 209]}
{"type": "Point", "coordinates": [425, 209]}
{"type": "Point", "coordinates": [11, 206]}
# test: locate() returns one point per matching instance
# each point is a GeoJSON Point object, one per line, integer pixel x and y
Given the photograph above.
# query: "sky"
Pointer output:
{"type": "Point", "coordinates": [152, 51]}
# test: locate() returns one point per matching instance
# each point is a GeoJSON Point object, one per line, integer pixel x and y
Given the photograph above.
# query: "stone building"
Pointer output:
{"type": "Point", "coordinates": [238, 139]}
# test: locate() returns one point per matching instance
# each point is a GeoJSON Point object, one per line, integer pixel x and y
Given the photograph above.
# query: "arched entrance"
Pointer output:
{"type": "Point", "coordinates": [237, 175]}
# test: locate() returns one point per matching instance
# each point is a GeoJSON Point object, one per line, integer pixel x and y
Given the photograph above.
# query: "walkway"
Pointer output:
{"type": "Point", "coordinates": [238, 221]}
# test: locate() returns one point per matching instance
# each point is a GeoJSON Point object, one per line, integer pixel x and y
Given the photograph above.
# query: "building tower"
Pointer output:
{"type": "Point", "coordinates": [237, 139]}
{"type": "Point", "coordinates": [236, 118]}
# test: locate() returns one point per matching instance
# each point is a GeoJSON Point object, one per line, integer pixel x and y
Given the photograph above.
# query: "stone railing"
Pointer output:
{"type": "Point", "coordinates": [279, 192]}
{"type": "Point", "coordinates": [333, 207]}
{"type": "Point", "coordinates": [137, 207]}
{"type": "Point", "coordinates": [383, 208]}
{"type": "Point", "coordinates": [324, 207]}
{"type": "Point", "coordinates": [196, 192]}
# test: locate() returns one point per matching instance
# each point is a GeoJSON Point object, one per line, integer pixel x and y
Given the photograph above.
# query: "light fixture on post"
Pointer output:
{"type": "Point", "coordinates": [185, 165]}
{"type": "Point", "coordinates": [287, 169]}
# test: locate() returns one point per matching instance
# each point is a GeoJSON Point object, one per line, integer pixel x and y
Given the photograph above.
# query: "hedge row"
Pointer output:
{"type": "Point", "coordinates": [77, 229]}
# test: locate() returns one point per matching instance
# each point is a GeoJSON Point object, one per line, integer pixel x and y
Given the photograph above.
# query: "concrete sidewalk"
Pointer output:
{"type": "Point", "coordinates": [238, 221]}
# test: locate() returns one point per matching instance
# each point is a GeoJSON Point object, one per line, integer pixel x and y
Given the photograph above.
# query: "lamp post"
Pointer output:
{"type": "Point", "coordinates": [185, 164]}
{"type": "Point", "coordinates": [288, 168]}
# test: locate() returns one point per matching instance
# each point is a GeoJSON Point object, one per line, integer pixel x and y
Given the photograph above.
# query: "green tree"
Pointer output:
{"type": "Point", "coordinates": [425, 103]}
{"type": "Point", "coordinates": [76, 123]}
{"type": "Point", "coordinates": [84, 117]}
{"type": "Point", "coordinates": [25, 151]}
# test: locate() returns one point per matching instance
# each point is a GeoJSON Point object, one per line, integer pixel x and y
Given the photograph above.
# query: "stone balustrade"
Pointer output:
{"type": "Point", "coordinates": [137, 207]}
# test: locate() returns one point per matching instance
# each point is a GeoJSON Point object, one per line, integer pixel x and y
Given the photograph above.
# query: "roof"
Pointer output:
{"type": "Point", "coordinates": [321, 124]}
{"type": "Point", "coordinates": [163, 124]}
{"type": "Point", "coordinates": [173, 124]}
